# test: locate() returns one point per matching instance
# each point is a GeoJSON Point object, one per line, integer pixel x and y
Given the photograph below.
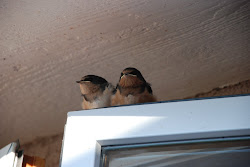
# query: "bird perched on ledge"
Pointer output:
{"type": "Point", "coordinates": [132, 88]}
{"type": "Point", "coordinates": [96, 92]}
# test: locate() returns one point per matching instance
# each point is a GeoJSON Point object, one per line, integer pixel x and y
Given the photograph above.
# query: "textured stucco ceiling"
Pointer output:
{"type": "Point", "coordinates": [182, 47]}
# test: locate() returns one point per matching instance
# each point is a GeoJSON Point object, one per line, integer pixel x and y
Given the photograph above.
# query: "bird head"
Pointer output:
{"type": "Point", "coordinates": [91, 84]}
{"type": "Point", "coordinates": [131, 77]}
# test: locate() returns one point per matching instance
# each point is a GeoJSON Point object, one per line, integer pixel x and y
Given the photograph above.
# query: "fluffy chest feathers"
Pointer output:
{"type": "Point", "coordinates": [124, 97]}
{"type": "Point", "coordinates": [98, 100]}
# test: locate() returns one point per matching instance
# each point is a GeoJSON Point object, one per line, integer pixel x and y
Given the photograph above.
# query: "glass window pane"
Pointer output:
{"type": "Point", "coordinates": [200, 154]}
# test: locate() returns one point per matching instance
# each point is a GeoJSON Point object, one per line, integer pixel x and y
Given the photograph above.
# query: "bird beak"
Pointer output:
{"type": "Point", "coordinates": [122, 76]}
{"type": "Point", "coordinates": [132, 75]}
{"type": "Point", "coordinates": [81, 81]}
{"type": "Point", "coordinates": [129, 75]}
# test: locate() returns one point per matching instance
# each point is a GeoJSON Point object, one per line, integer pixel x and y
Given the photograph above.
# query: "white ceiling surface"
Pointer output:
{"type": "Point", "coordinates": [182, 47]}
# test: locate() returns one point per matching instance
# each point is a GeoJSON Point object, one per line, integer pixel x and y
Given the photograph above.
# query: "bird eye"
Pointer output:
{"type": "Point", "coordinates": [88, 79]}
{"type": "Point", "coordinates": [133, 73]}
{"type": "Point", "coordinates": [121, 74]}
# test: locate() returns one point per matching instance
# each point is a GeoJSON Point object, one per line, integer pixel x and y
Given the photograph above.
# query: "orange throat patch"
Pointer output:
{"type": "Point", "coordinates": [130, 81]}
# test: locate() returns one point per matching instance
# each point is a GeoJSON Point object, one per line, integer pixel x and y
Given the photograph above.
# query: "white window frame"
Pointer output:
{"type": "Point", "coordinates": [88, 130]}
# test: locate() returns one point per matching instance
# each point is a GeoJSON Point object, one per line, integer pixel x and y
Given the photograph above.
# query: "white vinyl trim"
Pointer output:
{"type": "Point", "coordinates": [87, 131]}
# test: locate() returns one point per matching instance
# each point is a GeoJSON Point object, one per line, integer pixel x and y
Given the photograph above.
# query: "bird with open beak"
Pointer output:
{"type": "Point", "coordinates": [96, 92]}
{"type": "Point", "coordinates": [132, 88]}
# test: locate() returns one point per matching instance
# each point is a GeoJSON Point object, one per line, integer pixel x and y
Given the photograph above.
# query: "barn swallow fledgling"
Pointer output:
{"type": "Point", "coordinates": [132, 88]}
{"type": "Point", "coordinates": [96, 92]}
